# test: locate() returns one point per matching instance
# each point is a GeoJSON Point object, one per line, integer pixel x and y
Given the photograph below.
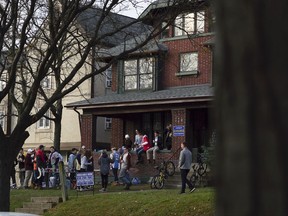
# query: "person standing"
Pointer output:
{"type": "Point", "coordinates": [168, 137]}
{"type": "Point", "coordinates": [137, 140]}
{"type": "Point", "coordinates": [28, 168]}
{"type": "Point", "coordinates": [40, 165]}
{"type": "Point", "coordinates": [12, 174]}
{"type": "Point", "coordinates": [104, 162]}
{"type": "Point", "coordinates": [21, 165]}
{"type": "Point", "coordinates": [71, 165]}
{"type": "Point", "coordinates": [115, 164]}
{"type": "Point", "coordinates": [124, 171]}
{"type": "Point", "coordinates": [185, 162]}
{"type": "Point", "coordinates": [156, 146]}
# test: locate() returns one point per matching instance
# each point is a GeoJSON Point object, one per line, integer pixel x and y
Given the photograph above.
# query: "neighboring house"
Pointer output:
{"type": "Point", "coordinates": [169, 81]}
{"type": "Point", "coordinates": [43, 131]}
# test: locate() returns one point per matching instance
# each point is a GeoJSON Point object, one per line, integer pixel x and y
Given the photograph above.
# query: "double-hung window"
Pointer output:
{"type": "Point", "coordinates": [138, 73]}
{"type": "Point", "coordinates": [191, 23]}
{"type": "Point", "coordinates": [44, 122]}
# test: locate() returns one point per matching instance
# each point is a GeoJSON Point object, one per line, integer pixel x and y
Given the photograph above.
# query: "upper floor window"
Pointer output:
{"type": "Point", "coordinates": [44, 122]}
{"type": "Point", "coordinates": [138, 73]}
{"type": "Point", "coordinates": [165, 32]}
{"type": "Point", "coordinates": [2, 116]}
{"type": "Point", "coordinates": [191, 23]}
{"type": "Point", "coordinates": [108, 78]}
{"type": "Point", "coordinates": [46, 83]}
{"type": "Point", "coordinates": [3, 80]}
{"type": "Point", "coordinates": [188, 63]}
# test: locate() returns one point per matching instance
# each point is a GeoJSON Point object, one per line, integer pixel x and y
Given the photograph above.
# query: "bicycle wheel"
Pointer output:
{"type": "Point", "coordinates": [159, 181]}
{"type": "Point", "coordinates": [170, 168]}
{"type": "Point", "coordinates": [202, 169]}
{"type": "Point", "coordinates": [152, 183]}
{"type": "Point", "coordinates": [194, 179]}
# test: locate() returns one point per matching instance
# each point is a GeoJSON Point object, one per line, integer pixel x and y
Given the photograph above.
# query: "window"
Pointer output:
{"type": "Point", "coordinates": [46, 83]}
{"type": "Point", "coordinates": [165, 32]}
{"type": "Point", "coordinates": [3, 81]}
{"type": "Point", "coordinates": [192, 23]}
{"type": "Point", "coordinates": [44, 123]}
{"type": "Point", "coordinates": [138, 74]}
{"type": "Point", "coordinates": [2, 116]}
{"type": "Point", "coordinates": [108, 78]}
{"type": "Point", "coordinates": [108, 123]}
{"type": "Point", "coordinates": [189, 63]}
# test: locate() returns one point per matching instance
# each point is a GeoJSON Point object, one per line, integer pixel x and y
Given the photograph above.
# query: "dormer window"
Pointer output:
{"type": "Point", "coordinates": [138, 73]}
{"type": "Point", "coordinates": [191, 23]}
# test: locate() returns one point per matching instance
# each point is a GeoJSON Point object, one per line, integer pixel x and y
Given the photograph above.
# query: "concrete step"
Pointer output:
{"type": "Point", "coordinates": [36, 211]}
{"type": "Point", "coordinates": [47, 205]}
{"type": "Point", "coordinates": [46, 199]}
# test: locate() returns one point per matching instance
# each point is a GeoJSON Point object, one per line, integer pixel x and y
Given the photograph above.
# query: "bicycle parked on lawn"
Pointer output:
{"type": "Point", "coordinates": [166, 168]}
{"type": "Point", "coordinates": [199, 172]}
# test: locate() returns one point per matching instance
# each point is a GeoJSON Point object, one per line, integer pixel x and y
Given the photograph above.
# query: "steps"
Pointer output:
{"type": "Point", "coordinates": [39, 205]}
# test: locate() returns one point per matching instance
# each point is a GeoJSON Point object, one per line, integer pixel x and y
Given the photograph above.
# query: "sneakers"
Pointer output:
{"type": "Point", "coordinates": [102, 190]}
{"type": "Point", "coordinates": [192, 190]}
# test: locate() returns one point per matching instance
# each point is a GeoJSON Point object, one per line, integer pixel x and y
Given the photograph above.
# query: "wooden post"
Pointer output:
{"type": "Point", "coordinates": [63, 181]}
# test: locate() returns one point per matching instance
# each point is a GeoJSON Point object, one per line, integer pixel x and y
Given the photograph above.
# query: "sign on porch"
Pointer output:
{"type": "Point", "coordinates": [178, 130]}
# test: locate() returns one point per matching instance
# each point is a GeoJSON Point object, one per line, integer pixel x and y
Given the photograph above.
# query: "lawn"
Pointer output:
{"type": "Point", "coordinates": [140, 200]}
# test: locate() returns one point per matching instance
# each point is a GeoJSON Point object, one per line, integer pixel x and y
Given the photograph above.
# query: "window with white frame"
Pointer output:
{"type": "Point", "coordinates": [191, 23]}
{"type": "Point", "coordinates": [44, 122]}
{"type": "Point", "coordinates": [108, 123]}
{"type": "Point", "coordinates": [189, 63]}
{"type": "Point", "coordinates": [138, 73]}
{"type": "Point", "coordinates": [46, 83]}
{"type": "Point", "coordinates": [108, 78]}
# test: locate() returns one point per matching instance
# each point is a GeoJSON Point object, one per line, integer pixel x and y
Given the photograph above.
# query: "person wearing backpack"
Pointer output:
{"type": "Point", "coordinates": [115, 157]}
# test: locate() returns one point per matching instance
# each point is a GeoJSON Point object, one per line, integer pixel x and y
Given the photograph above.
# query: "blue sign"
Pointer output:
{"type": "Point", "coordinates": [178, 130]}
{"type": "Point", "coordinates": [85, 178]}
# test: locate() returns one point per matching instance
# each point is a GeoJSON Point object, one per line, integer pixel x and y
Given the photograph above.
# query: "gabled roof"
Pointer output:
{"type": "Point", "coordinates": [89, 18]}
{"type": "Point", "coordinates": [178, 95]}
{"type": "Point", "coordinates": [153, 46]}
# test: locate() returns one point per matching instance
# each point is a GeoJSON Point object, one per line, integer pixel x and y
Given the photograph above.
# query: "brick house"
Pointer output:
{"type": "Point", "coordinates": [169, 81]}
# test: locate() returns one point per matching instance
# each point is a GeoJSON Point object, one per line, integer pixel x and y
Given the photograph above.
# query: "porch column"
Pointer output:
{"type": "Point", "coordinates": [117, 132]}
{"type": "Point", "coordinates": [180, 118]}
{"type": "Point", "coordinates": [88, 131]}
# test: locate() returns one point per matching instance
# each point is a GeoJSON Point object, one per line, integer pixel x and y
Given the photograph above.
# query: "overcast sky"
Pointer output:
{"type": "Point", "coordinates": [132, 11]}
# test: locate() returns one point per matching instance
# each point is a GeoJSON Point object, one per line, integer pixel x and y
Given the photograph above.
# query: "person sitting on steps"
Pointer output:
{"type": "Point", "coordinates": [144, 146]}
{"type": "Point", "coordinates": [156, 146]}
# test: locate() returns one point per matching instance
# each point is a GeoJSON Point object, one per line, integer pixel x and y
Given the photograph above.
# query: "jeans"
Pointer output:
{"type": "Point", "coordinates": [184, 173]}
{"type": "Point", "coordinates": [115, 174]}
{"type": "Point", "coordinates": [124, 176]}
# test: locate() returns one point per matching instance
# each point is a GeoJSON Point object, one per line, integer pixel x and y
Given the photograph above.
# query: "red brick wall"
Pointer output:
{"type": "Point", "coordinates": [117, 132]}
{"type": "Point", "coordinates": [175, 47]}
{"type": "Point", "coordinates": [86, 131]}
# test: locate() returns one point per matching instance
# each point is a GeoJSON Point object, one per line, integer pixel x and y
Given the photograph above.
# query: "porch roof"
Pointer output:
{"type": "Point", "coordinates": [198, 93]}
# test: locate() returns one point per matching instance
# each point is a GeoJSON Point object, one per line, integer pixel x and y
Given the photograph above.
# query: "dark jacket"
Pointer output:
{"type": "Point", "coordinates": [28, 162]}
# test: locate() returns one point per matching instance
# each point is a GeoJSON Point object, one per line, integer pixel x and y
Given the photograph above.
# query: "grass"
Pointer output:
{"type": "Point", "coordinates": [140, 200]}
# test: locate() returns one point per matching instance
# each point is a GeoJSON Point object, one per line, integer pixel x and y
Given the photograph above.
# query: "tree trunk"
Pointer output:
{"type": "Point", "coordinates": [5, 169]}
{"type": "Point", "coordinates": [58, 125]}
{"type": "Point", "coordinates": [252, 106]}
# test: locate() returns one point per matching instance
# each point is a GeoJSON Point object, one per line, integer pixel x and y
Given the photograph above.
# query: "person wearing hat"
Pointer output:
{"type": "Point", "coordinates": [28, 165]}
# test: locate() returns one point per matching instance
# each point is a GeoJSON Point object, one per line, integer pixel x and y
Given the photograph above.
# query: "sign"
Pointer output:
{"type": "Point", "coordinates": [85, 178]}
{"type": "Point", "coordinates": [178, 130]}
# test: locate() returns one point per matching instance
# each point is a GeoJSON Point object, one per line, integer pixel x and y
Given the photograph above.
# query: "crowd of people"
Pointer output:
{"type": "Point", "coordinates": [35, 164]}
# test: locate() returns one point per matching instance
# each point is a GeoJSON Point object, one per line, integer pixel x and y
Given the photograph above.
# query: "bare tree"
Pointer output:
{"type": "Point", "coordinates": [252, 108]}
{"type": "Point", "coordinates": [41, 39]}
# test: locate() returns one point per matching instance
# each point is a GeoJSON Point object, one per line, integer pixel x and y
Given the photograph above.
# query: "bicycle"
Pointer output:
{"type": "Point", "coordinates": [158, 181]}
{"type": "Point", "coordinates": [199, 171]}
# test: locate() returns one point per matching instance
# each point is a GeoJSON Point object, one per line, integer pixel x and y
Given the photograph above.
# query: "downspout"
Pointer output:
{"type": "Point", "coordinates": [79, 119]}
